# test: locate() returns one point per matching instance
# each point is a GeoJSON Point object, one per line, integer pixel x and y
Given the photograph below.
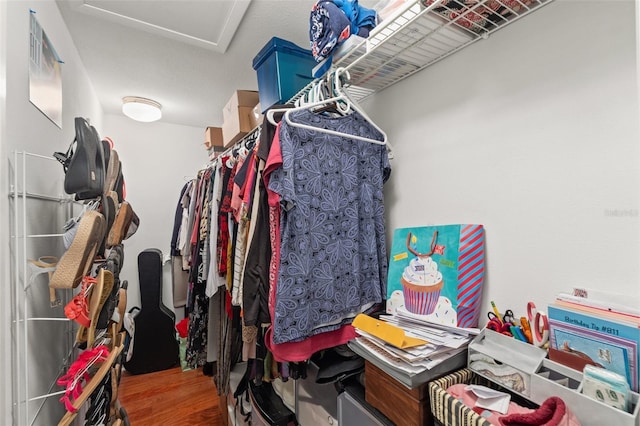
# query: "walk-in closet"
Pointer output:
{"type": "Point", "coordinates": [340, 212]}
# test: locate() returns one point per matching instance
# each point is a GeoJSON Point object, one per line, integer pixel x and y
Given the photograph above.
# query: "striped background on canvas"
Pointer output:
{"type": "Point", "coordinates": [470, 274]}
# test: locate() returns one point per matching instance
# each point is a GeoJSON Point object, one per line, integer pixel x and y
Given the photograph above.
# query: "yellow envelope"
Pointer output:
{"type": "Point", "coordinates": [387, 332]}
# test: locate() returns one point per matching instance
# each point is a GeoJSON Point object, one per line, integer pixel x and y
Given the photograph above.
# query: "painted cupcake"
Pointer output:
{"type": "Point", "coordinates": [421, 285]}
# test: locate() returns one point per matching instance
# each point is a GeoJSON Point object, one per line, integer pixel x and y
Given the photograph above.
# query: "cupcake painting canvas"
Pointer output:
{"type": "Point", "coordinates": [436, 273]}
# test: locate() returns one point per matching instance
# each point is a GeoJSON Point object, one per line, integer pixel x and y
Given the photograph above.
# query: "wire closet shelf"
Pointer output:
{"type": "Point", "coordinates": [416, 35]}
{"type": "Point", "coordinates": [421, 33]}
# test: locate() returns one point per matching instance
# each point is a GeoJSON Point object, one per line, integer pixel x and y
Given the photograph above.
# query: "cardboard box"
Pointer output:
{"type": "Point", "coordinates": [256, 116]}
{"type": "Point", "coordinates": [213, 139]}
{"type": "Point", "coordinates": [236, 116]}
{"type": "Point", "coordinates": [236, 125]}
{"type": "Point", "coordinates": [243, 98]}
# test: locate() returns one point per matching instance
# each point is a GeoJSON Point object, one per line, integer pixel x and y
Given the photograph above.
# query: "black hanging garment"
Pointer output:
{"type": "Point", "coordinates": [155, 344]}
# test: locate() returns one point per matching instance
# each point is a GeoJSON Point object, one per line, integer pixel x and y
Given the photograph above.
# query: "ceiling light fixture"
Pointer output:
{"type": "Point", "coordinates": [141, 109]}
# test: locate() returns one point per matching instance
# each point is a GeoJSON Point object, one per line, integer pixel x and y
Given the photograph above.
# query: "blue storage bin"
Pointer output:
{"type": "Point", "coordinates": [283, 69]}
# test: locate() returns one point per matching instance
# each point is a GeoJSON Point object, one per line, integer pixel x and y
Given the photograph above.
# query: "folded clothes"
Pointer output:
{"type": "Point", "coordinates": [552, 412]}
{"type": "Point", "coordinates": [362, 19]}
{"type": "Point", "coordinates": [479, 19]}
{"type": "Point", "coordinates": [328, 27]}
{"type": "Point", "coordinates": [333, 21]}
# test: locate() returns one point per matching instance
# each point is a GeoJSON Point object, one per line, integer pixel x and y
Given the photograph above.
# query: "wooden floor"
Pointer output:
{"type": "Point", "coordinates": [170, 397]}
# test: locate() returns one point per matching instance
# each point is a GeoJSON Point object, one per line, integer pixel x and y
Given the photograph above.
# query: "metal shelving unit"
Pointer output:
{"type": "Point", "coordinates": [418, 35]}
{"type": "Point", "coordinates": [31, 313]}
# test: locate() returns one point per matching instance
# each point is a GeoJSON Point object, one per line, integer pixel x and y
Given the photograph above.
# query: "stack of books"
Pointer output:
{"type": "Point", "coordinates": [591, 327]}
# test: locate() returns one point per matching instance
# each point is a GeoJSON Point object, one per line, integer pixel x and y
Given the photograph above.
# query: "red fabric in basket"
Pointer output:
{"type": "Point", "coordinates": [552, 412]}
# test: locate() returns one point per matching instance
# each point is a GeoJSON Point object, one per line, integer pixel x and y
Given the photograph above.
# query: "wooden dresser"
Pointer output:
{"type": "Point", "coordinates": [403, 406]}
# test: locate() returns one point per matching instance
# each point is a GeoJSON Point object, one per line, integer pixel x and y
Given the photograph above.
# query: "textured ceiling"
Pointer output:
{"type": "Point", "coordinates": [192, 79]}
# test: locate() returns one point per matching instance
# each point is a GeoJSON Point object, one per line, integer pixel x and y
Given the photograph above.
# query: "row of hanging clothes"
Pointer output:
{"type": "Point", "coordinates": [283, 237]}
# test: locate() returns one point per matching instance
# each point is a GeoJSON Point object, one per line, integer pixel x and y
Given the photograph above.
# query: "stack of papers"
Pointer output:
{"type": "Point", "coordinates": [408, 344]}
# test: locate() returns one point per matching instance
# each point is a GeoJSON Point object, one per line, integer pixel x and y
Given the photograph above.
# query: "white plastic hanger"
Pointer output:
{"type": "Point", "coordinates": [315, 94]}
{"type": "Point", "coordinates": [309, 97]}
{"type": "Point", "coordinates": [343, 104]}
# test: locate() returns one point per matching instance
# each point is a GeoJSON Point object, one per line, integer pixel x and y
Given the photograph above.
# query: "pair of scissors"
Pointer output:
{"type": "Point", "coordinates": [539, 324]}
{"type": "Point", "coordinates": [508, 317]}
{"type": "Point", "coordinates": [496, 324]}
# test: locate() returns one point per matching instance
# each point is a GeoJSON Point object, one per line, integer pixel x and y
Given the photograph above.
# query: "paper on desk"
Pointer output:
{"type": "Point", "coordinates": [409, 355]}
{"type": "Point", "coordinates": [424, 331]}
{"type": "Point", "coordinates": [490, 399]}
{"type": "Point", "coordinates": [428, 356]}
{"type": "Point", "coordinates": [386, 357]}
{"type": "Point", "coordinates": [408, 316]}
{"type": "Point", "coordinates": [433, 332]}
{"type": "Point", "coordinates": [385, 331]}
{"type": "Point", "coordinates": [435, 359]}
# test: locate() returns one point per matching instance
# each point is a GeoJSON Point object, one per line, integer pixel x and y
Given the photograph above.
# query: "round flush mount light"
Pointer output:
{"type": "Point", "coordinates": [141, 109]}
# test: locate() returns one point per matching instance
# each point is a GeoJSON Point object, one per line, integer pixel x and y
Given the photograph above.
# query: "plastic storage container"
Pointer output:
{"type": "Point", "coordinates": [283, 69]}
{"type": "Point", "coordinates": [353, 409]}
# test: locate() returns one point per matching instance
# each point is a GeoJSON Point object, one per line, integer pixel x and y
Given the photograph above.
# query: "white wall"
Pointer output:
{"type": "Point", "coordinates": [533, 133]}
{"type": "Point", "coordinates": [158, 159]}
{"type": "Point", "coordinates": [638, 53]}
{"type": "Point", "coordinates": [5, 352]}
{"type": "Point", "coordinates": [23, 127]}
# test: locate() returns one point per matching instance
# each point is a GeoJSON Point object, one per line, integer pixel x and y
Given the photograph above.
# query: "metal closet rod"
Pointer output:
{"type": "Point", "coordinates": [252, 136]}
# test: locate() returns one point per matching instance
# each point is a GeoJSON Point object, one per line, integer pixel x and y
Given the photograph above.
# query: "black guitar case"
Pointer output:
{"type": "Point", "coordinates": [155, 346]}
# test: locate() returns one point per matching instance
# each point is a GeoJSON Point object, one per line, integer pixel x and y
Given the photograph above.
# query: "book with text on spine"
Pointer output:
{"type": "Point", "coordinates": [608, 343]}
